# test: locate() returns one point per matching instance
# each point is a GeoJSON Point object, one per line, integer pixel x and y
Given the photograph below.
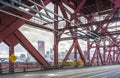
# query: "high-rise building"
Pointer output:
{"type": "Point", "coordinates": [41, 47]}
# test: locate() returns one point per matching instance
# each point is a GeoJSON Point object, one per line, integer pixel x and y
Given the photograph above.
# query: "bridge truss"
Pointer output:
{"type": "Point", "coordinates": [95, 21]}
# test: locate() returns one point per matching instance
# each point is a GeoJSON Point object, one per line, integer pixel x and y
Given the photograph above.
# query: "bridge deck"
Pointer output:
{"type": "Point", "coordinates": [91, 72]}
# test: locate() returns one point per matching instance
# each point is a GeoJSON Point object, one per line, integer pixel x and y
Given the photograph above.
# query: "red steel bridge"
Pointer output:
{"type": "Point", "coordinates": [95, 21]}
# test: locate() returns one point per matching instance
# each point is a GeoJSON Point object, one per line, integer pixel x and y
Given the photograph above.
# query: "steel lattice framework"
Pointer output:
{"type": "Point", "coordinates": [95, 28]}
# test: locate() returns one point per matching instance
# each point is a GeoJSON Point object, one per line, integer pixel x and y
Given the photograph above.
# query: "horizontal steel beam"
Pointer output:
{"type": "Point", "coordinates": [40, 26]}
{"type": "Point", "coordinates": [115, 19]}
{"type": "Point", "coordinates": [69, 21]}
{"type": "Point", "coordinates": [110, 33]}
{"type": "Point", "coordinates": [29, 22]}
{"type": "Point", "coordinates": [88, 37]}
{"type": "Point", "coordinates": [71, 38]}
{"type": "Point", "coordinates": [104, 46]}
{"type": "Point", "coordinates": [22, 10]}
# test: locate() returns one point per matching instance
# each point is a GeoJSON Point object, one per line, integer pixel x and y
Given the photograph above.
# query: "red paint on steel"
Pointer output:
{"type": "Point", "coordinates": [56, 37]}
{"type": "Point", "coordinates": [11, 65]}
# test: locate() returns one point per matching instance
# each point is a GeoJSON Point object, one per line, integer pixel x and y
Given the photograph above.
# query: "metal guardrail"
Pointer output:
{"type": "Point", "coordinates": [18, 69]}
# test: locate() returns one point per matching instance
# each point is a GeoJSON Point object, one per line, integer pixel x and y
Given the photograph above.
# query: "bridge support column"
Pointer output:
{"type": "Point", "coordinates": [11, 64]}
{"type": "Point", "coordinates": [56, 36]}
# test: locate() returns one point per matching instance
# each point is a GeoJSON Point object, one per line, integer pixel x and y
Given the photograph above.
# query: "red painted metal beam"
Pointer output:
{"type": "Point", "coordinates": [62, 8]}
{"type": "Point", "coordinates": [18, 23]}
{"type": "Point", "coordinates": [116, 3]}
{"type": "Point", "coordinates": [76, 47]}
{"type": "Point", "coordinates": [69, 3]}
{"type": "Point", "coordinates": [75, 53]}
{"type": "Point", "coordinates": [67, 38]}
{"type": "Point", "coordinates": [94, 59]}
{"type": "Point", "coordinates": [77, 10]}
{"type": "Point", "coordinates": [115, 19]}
{"type": "Point", "coordinates": [56, 37]}
{"type": "Point", "coordinates": [97, 55]}
{"type": "Point", "coordinates": [109, 33]}
{"type": "Point", "coordinates": [117, 58]}
{"type": "Point", "coordinates": [106, 18]}
{"type": "Point", "coordinates": [28, 46]}
{"type": "Point", "coordinates": [68, 53]}
{"type": "Point", "coordinates": [39, 26]}
{"type": "Point", "coordinates": [80, 6]}
{"type": "Point", "coordinates": [80, 51]}
{"type": "Point", "coordinates": [104, 54]}
{"type": "Point", "coordinates": [5, 33]}
{"type": "Point", "coordinates": [115, 52]}
{"type": "Point", "coordinates": [109, 57]}
{"type": "Point", "coordinates": [2, 27]}
{"type": "Point", "coordinates": [116, 45]}
{"type": "Point", "coordinates": [73, 15]}
{"type": "Point", "coordinates": [13, 27]}
{"type": "Point", "coordinates": [88, 50]}
{"type": "Point", "coordinates": [11, 40]}
{"type": "Point", "coordinates": [11, 65]}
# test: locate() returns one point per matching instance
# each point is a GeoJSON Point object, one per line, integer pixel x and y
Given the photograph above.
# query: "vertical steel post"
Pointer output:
{"type": "Point", "coordinates": [97, 56]}
{"type": "Point", "coordinates": [56, 36]}
{"type": "Point", "coordinates": [88, 51]}
{"type": "Point", "coordinates": [11, 65]}
{"type": "Point", "coordinates": [75, 52]}
{"type": "Point", "coordinates": [104, 52]}
{"type": "Point", "coordinates": [114, 52]}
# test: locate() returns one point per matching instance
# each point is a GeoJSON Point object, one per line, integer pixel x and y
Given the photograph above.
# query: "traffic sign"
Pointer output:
{"type": "Point", "coordinates": [12, 58]}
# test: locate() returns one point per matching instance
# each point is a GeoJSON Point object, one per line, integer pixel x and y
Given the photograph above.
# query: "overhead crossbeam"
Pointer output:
{"type": "Point", "coordinates": [115, 19]}
{"type": "Point", "coordinates": [25, 11]}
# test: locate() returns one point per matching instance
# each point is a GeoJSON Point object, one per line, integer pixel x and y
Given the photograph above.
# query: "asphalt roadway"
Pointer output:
{"type": "Point", "coordinates": [112, 71]}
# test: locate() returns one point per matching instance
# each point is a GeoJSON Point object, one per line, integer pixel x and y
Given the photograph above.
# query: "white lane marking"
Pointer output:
{"type": "Point", "coordinates": [103, 73]}
{"type": "Point", "coordinates": [51, 75]}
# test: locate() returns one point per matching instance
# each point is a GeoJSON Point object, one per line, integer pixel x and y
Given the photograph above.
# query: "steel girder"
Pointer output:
{"type": "Point", "coordinates": [107, 59]}
{"type": "Point", "coordinates": [75, 43]}
{"type": "Point", "coordinates": [11, 31]}
{"type": "Point", "coordinates": [77, 48]}
{"type": "Point", "coordinates": [56, 36]}
{"type": "Point", "coordinates": [97, 55]}
{"type": "Point", "coordinates": [11, 65]}
{"type": "Point", "coordinates": [10, 35]}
